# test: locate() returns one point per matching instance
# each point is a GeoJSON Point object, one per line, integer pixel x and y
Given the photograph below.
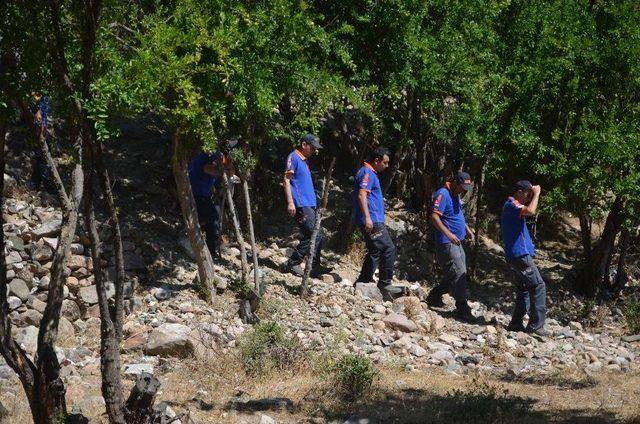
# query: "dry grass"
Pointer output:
{"type": "Point", "coordinates": [399, 397]}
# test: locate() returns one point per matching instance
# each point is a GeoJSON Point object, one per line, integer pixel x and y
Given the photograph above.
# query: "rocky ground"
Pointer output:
{"type": "Point", "coordinates": [168, 324]}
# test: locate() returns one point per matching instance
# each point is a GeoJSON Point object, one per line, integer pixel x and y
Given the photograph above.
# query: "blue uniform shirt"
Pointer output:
{"type": "Point", "coordinates": [367, 179]}
{"type": "Point", "coordinates": [302, 190]}
{"type": "Point", "coordinates": [515, 234]}
{"type": "Point", "coordinates": [44, 106]}
{"type": "Point", "coordinates": [449, 207]}
{"type": "Point", "coordinates": [201, 182]}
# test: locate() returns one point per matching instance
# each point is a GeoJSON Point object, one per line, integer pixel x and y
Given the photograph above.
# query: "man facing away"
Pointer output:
{"type": "Point", "coordinates": [451, 230]}
{"type": "Point", "coordinates": [204, 171]}
{"type": "Point", "coordinates": [519, 250]}
{"type": "Point", "coordinates": [368, 204]}
{"type": "Point", "coordinates": [301, 200]}
{"type": "Point", "coordinates": [40, 176]}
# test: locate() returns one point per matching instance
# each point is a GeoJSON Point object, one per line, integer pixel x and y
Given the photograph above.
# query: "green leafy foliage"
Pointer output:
{"type": "Point", "coordinates": [268, 348]}
{"type": "Point", "coordinates": [354, 375]}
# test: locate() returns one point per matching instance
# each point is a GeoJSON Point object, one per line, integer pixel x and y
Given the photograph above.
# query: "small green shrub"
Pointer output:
{"type": "Point", "coordinates": [354, 375]}
{"type": "Point", "coordinates": [269, 348]}
{"type": "Point", "coordinates": [632, 314]}
{"type": "Point", "coordinates": [240, 287]}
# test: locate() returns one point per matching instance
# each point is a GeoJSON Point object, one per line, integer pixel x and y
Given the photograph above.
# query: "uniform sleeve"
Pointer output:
{"type": "Point", "coordinates": [365, 182]}
{"type": "Point", "coordinates": [438, 203]}
{"type": "Point", "coordinates": [515, 210]}
{"type": "Point", "coordinates": [291, 165]}
{"type": "Point", "coordinates": [197, 163]}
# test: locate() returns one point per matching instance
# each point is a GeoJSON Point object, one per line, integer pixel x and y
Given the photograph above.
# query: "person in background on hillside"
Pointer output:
{"type": "Point", "coordinates": [40, 176]}
{"type": "Point", "coordinates": [368, 204]}
{"type": "Point", "coordinates": [301, 200]}
{"type": "Point", "coordinates": [519, 250]}
{"type": "Point", "coordinates": [204, 171]}
{"type": "Point", "coordinates": [451, 230]}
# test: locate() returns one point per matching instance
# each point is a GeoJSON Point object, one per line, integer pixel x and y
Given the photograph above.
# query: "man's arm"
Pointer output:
{"type": "Point", "coordinates": [364, 207]}
{"type": "Point", "coordinates": [470, 232]}
{"type": "Point", "coordinates": [291, 207]}
{"type": "Point", "coordinates": [437, 222]}
{"type": "Point", "coordinates": [532, 207]}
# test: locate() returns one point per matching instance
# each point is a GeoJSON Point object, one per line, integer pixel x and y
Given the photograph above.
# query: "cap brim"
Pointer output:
{"type": "Point", "coordinates": [317, 145]}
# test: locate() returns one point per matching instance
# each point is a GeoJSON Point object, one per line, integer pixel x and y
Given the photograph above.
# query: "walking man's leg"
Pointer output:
{"type": "Point", "coordinates": [206, 212]}
{"type": "Point", "coordinates": [371, 259]}
{"type": "Point", "coordinates": [459, 282]}
{"type": "Point", "coordinates": [538, 300]}
{"type": "Point", "coordinates": [305, 217]}
{"type": "Point", "coordinates": [448, 275]}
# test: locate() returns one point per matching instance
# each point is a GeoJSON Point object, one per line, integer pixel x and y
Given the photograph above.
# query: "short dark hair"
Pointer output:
{"type": "Point", "coordinates": [378, 153]}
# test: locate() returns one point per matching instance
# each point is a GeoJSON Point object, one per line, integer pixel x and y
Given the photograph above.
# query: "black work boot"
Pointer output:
{"type": "Point", "coordinates": [434, 300]}
{"type": "Point", "coordinates": [319, 271]}
{"type": "Point", "coordinates": [466, 315]}
{"type": "Point", "coordinates": [390, 292]}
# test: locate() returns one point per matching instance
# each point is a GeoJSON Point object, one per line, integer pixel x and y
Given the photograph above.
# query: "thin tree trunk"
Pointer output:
{"type": "Point", "coordinates": [105, 185]}
{"type": "Point", "coordinates": [49, 387]}
{"type": "Point", "coordinates": [236, 226]}
{"type": "Point", "coordinates": [252, 237]}
{"type": "Point", "coordinates": [316, 227]}
{"type": "Point", "coordinates": [594, 271]}
{"type": "Point", "coordinates": [621, 271]}
{"type": "Point", "coordinates": [585, 233]}
{"type": "Point", "coordinates": [478, 221]}
{"type": "Point", "coordinates": [109, 342]}
{"type": "Point", "coordinates": [204, 260]}
{"type": "Point", "coordinates": [15, 357]}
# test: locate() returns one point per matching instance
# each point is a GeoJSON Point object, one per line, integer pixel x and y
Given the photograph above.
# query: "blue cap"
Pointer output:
{"type": "Point", "coordinates": [312, 139]}
{"type": "Point", "coordinates": [463, 179]}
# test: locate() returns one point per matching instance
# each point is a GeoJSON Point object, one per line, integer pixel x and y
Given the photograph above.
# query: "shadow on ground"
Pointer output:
{"type": "Point", "coordinates": [489, 405]}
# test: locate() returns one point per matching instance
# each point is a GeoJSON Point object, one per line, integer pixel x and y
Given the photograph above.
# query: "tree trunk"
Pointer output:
{"type": "Point", "coordinates": [109, 341]}
{"type": "Point", "coordinates": [15, 357]}
{"type": "Point", "coordinates": [252, 237]}
{"type": "Point", "coordinates": [49, 388]}
{"type": "Point", "coordinates": [585, 233]}
{"type": "Point", "coordinates": [479, 215]}
{"type": "Point", "coordinates": [204, 260]}
{"type": "Point", "coordinates": [316, 227]}
{"type": "Point", "coordinates": [621, 271]}
{"type": "Point", "coordinates": [236, 226]}
{"type": "Point", "coordinates": [593, 274]}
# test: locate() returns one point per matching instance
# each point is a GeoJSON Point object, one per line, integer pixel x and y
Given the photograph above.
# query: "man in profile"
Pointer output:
{"type": "Point", "coordinates": [300, 195]}
{"type": "Point", "coordinates": [368, 204]}
{"type": "Point", "coordinates": [204, 171]}
{"type": "Point", "coordinates": [531, 291]}
{"type": "Point", "coordinates": [451, 231]}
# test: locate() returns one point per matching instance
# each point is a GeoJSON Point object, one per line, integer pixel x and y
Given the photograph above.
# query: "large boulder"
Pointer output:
{"type": "Point", "coordinates": [27, 337]}
{"type": "Point", "coordinates": [70, 310]}
{"type": "Point", "coordinates": [400, 322]}
{"type": "Point", "coordinates": [48, 229]}
{"type": "Point", "coordinates": [75, 262]}
{"type": "Point", "coordinates": [31, 317]}
{"type": "Point", "coordinates": [19, 289]}
{"type": "Point", "coordinates": [42, 252]}
{"type": "Point", "coordinates": [170, 340]}
{"type": "Point", "coordinates": [89, 295]}
{"type": "Point", "coordinates": [368, 290]}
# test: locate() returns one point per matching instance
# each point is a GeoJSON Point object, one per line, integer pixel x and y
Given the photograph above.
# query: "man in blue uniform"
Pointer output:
{"type": "Point", "coordinates": [368, 204]}
{"type": "Point", "coordinates": [301, 200]}
{"type": "Point", "coordinates": [204, 171]}
{"type": "Point", "coordinates": [519, 250]}
{"type": "Point", "coordinates": [40, 176]}
{"type": "Point", "coordinates": [451, 230]}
